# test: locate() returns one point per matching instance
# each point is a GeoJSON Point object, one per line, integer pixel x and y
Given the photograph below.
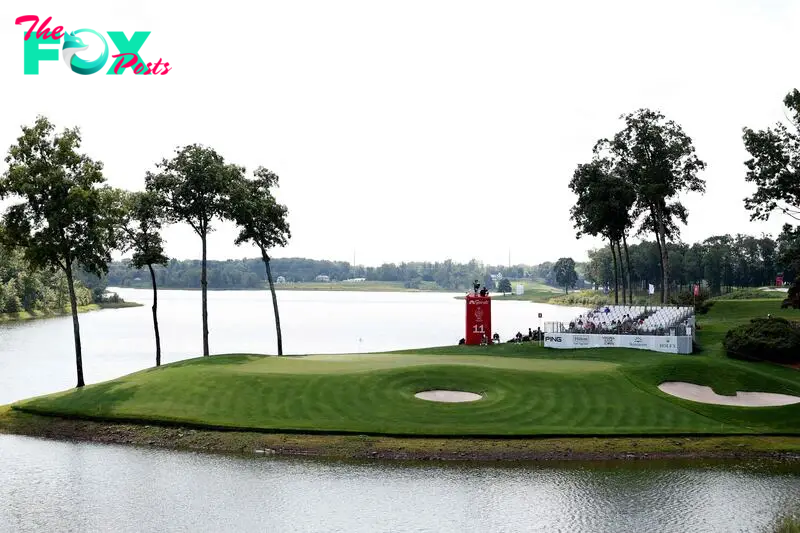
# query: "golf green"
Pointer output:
{"type": "Point", "coordinates": [526, 391]}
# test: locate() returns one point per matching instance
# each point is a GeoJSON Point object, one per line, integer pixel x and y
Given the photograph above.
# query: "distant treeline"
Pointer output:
{"type": "Point", "coordinates": [249, 273]}
{"type": "Point", "coordinates": [719, 262]}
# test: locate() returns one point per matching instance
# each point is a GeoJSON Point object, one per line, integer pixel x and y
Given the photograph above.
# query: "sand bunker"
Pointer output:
{"type": "Point", "coordinates": [448, 396]}
{"type": "Point", "coordinates": [699, 393]}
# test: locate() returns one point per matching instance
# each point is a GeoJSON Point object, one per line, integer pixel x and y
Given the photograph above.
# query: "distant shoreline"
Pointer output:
{"type": "Point", "coordinates": [459, 294]}
{"type": "Point", "coordinates": [34, 315]}
{"type": "Point", "coordinates": [298, 287]}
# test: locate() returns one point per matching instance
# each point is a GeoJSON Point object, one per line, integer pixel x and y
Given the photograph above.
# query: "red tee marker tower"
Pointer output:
{"type": "Point", "coordinates": [479, 319]}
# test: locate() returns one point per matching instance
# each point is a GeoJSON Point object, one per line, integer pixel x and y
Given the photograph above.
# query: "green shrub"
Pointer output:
{"type": "Point", "coordinates": [765, 339]}
{"type": "Point", "coordinates": [594, 299]}
{"type": "Point", "coordinates": [702, 308]}
{"type": "Point", "coordinates": [701, 302]}
{"type": "Point", "coordinates": [583, 298]}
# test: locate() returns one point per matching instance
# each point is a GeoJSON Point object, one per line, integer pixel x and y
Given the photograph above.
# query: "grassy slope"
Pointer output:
{"type": "Point", "coordinates": [528, 390]}
{"type": "Point", "coordinates": [381, 447]}
{"type": "Point", "coordinates": [534, 292]}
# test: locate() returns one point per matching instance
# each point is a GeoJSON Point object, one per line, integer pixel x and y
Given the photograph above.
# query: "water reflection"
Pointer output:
{"type": "Point", "coordinates": [56, 486]}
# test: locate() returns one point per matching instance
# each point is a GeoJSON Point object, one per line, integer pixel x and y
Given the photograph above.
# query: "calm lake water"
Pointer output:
{"type": "Point", "coordinates": [57, 486]}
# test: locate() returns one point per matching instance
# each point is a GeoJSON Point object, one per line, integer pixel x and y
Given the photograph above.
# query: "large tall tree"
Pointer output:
{"type": "Point", "coordinates": [604, 207]}
{"type": "Point", "coordinates": [63, 218]}
{"type": "Point", "coordinates": [774, 167]}
{"type": "Point", "coordinates": [564, 270]}
{"type": "Point", "coordinates": [142, 217]}
{"type": "Point", "coordinates": [658, 159]}
{"type": "Point", "coordinates": [262, 221]}
{"type": "Point", "coordinates": [788, 258]}
{"type": "Point", "coordinates": [194, 188]}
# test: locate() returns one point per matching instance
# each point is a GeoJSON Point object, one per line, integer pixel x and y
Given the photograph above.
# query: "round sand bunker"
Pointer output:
{"type": "Point", "coordinates": [448, 396]}
{"type": "Point", "coordinates": [701, 394]}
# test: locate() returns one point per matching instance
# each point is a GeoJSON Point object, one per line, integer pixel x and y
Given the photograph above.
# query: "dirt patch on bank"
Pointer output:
{"type": "Point", "coordinates": [369, 447]}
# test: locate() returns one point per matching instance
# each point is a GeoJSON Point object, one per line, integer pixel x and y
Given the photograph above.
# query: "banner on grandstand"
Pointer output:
{"type": "Point", "coordinates": [642, 342]}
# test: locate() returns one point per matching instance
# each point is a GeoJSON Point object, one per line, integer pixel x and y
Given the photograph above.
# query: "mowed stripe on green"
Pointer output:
{"type": "Point", "coordinates": [351, 363]}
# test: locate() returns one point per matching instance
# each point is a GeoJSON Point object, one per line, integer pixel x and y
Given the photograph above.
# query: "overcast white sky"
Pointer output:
{"type": "Point", "coordinates": [417, 130]}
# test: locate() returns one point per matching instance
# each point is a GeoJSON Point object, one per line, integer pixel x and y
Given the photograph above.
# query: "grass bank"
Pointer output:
{"type": "Point", "coordinates": [29, 315]}
{"type": "Point", "coordinates": [578, 403]}
{"type": "Point", "coordinates": [378, 447]}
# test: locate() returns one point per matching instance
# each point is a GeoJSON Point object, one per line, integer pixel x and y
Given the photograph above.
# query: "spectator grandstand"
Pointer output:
{"type": "Point", "coordinates": [634, 320]}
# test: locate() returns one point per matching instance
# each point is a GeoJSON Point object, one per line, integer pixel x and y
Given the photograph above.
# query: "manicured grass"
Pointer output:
{"type": "Point", "coordinates": [752, 293]}
{"type": "Point", "coordinates": [534, 292]}
{"type": "Point", "coordinates": [528, 390]}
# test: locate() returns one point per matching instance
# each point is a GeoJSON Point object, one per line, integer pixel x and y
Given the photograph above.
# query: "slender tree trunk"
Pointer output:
{"type": "Point", "coordinates": [155, 315]}
{"type": "Point", "coordinates": [204, 290]}
{"type": "Point", "coordinates": [265, 257]}
{"type": "Point", "coordinates": [628, 265]}
{"type": "Point", "coordinates": [621, 273]}
{"type": "Point", "coordinates": [664, 260]}
{"type": "Point", "coordinates": [616, 271]}
{"type": "Point", "coordinates": [76, 328]}
{"type": "Point", "coordinates": [661, 260]}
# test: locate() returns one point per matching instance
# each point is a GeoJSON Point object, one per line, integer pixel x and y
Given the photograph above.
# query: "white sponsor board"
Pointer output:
{"type": "Point", "coordinates": [655, 343]}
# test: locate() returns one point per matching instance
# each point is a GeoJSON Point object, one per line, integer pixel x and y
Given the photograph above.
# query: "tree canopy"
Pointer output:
{"type": "Point", "coordinates": [774, 167]}
{"type": "Point", "coordinates": [63, 216]}
{"type": "Point", "coordinates": [658, 160]}
{"type": "Point", "coordinates": [564, 270]}
{"type": "Point", "coordinates": [142, 217]}
{"type": "Point", "coordinates": [504, 286]}
{"type": "Point", "coordinates": [262, 221]}
{"type": "Point", "coordinates": [260, 218]}
{"type": "Point", "coordinates": [194, 187]}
